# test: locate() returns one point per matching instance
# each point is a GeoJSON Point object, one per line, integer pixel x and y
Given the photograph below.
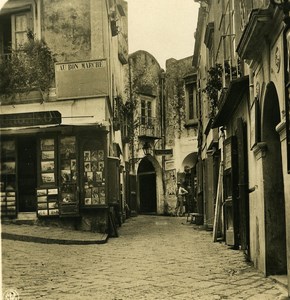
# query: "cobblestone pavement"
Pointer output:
{"type": "Point", "coordinates": [155, 257]}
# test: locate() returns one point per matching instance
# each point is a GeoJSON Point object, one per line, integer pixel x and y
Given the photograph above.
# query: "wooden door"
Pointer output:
{"type": "Point", "coordinates": [243, 194]}
{"type": "Point", "coordinates": [231, 205]}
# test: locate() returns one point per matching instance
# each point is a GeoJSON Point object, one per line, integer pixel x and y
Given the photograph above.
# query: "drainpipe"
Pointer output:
{"type": "Point", "coordinates": [162, 76]}
{"type": "Point", "coordinates": [131, 121]}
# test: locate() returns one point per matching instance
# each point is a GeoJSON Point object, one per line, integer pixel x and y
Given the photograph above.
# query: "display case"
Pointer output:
{"type": "Point", "coordinates": [47, 162]}
{"type": "Point", "coordinates": [47, 202]}
{"type": "Point", "coordinates": [47, 192]}
{"type": "Point", "coordinates": [93, 188]}
{"type": "Point", "coordinates": [8, 179]}
{"type": "Point", "coordinates": [69, 200]}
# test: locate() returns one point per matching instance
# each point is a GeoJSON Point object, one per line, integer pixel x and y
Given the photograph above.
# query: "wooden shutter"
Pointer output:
{"type": "Point", "coordinates": [231, 205]}
{"type": "Point", "coordinates": [113, 180]}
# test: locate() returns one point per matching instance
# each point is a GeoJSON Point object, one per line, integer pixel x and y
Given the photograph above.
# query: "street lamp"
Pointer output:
{"type": "Point", "coordinates": [146, 148]}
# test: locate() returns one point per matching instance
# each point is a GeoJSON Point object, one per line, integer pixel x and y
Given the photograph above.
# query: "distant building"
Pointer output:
{"type": "Point", "coordinates": [163, 148]}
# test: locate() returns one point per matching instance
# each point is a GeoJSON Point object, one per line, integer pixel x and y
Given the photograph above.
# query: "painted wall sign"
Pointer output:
{"type": "Point", "coordinates": [163, 151]}
{"type": "Point", "coordinates": [30, 119]}
{"type": "Point", "coordinates": [81, 79]}
{"type": "Point", "coordinates": [169, 165]}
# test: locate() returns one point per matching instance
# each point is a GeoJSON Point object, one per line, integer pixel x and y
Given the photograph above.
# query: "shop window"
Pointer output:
{"type": "Point", "coordinates": [69, 201]}
{"type": "Point", "coordinates": [93, 174]}
{"type": "Point", "coordinates": [47, 192]}
{"type": "Point", "coordinates": [8, 178]}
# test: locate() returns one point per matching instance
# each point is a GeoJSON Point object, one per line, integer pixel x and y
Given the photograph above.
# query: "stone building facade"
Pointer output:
{"type": "Point", "coordinates": [164, 141]}
{"type": "Point", "coordinates": [59, 145]}
{"type": "Point", "coordinates": [246, 42]}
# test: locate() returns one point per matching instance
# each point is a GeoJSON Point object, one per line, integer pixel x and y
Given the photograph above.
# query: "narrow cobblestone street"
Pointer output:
{"type": "Point", "coordinates": [155, 257]}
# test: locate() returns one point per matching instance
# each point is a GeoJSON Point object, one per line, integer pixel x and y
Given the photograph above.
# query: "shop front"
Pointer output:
{"type": "Point", "coordinates": [59, 172]}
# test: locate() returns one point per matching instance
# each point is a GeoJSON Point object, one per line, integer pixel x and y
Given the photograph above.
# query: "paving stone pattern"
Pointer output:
{"type": "Point", "coordinates": [155, 257]}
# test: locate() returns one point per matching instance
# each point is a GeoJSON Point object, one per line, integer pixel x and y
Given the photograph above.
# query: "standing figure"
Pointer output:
{"type": "Point", "coordinates": [180, 194]}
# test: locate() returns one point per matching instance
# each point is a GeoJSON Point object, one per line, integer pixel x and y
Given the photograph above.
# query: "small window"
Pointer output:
{"type": "Point", "coordinates": [146, 113]}
{"type": "Point", "coordinates": [191, 103]}
{"type": "Point", "coordinates": [21, 23]}
{"type": "Point", "coordinates": [21, 27]}
{"type": "Point", "coordinates": [143, 112]}
{"type": "Point", "coordinates": [149, 112]}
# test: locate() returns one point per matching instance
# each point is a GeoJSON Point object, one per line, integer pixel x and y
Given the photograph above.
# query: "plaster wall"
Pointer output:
{"type": "Point", "coordinates": [269, 69]}
{"type": "Point", "coordinates": [281, 128]}
{"type": "Point", "coordinates": [66, 29]}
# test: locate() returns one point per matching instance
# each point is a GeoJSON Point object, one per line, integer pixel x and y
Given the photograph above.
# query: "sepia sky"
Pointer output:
{"type": "Point", "coordinates": [164, 28]}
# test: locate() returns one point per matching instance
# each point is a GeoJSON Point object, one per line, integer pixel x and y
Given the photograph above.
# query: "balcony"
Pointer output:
{"type": "Point", "coordinates": [149, 128]}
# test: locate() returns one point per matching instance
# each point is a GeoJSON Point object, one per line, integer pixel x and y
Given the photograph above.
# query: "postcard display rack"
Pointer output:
{"type": "Point", "coordinates": [69, 201]}
{"type": "Point", "coordinates": [94, 192]}
{"type": "Point", "coordinates": [8, 179]}
{"type": "Point", "coordinates": [47, 194]}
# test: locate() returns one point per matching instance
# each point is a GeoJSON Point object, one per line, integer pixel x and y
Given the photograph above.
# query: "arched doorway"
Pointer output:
{"type": "Point", "coordinates": [147, 186]}
{"type": "Point", "coordinates": [275, 228]}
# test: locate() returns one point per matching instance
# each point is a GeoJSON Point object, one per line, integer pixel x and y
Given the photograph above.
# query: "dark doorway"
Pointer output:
{"type": "Point", "coordinates": [147, 187]}
{"type": "Point", "coordinates": [275, 226]}
{"type": "Point", "coordinates": [27, 174]}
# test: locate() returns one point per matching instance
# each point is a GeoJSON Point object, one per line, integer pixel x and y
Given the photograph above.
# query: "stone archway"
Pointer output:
{"type": "Point", "coordinates": [147, 186]}
{"type": "Point", "coordinates": [275, 228]}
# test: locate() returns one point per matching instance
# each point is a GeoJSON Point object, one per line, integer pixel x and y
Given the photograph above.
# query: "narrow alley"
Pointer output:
{"type": "Point", "coordinates": [155, 257]}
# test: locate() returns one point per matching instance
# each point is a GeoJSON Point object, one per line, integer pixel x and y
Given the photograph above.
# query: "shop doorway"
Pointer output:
{"type": "Point", "coordinates": [275, 226]}
{"type": "Point", "coordinates": [27, 174]}
{"type": "Point", "coordinates": [147, 187]}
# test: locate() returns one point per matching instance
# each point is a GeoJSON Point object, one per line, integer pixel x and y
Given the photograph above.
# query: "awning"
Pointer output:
{"type": "Point", "coordinates": [14, 6]}
{"type": "Point", "coordinates": [230, 100]}
{"type": "Point", "coordinates": [50, 128]}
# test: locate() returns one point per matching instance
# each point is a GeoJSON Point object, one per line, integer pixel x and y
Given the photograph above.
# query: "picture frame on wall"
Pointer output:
{"type": "Point", "coordinates": [41, 205]}
{"type": "Point", "coordinates": [42, 212]}
{"type": "Point", "coordinates": [47, 144]}
{"type": "Point", "coordinates": [87, 166]}
{"type": "Point", "coordinates": [73, 164]}
{"type": "Point", "coordinates": [52, 191]}
{"type": "Point", "coordinates": [65, 176]}
{"type": "Point", "coordinates": [41, 192]}
{"type": "Point", "coordinates": [94, 155]}
{"type": "Point", "coordinates": [42, 199]}
{"type": "Point", "coordinates": [67, 147]}
{"type": "Point", "coordinates": [88, 201]}
{"type": "Point", "coordinates": [53, 212]}
{"type": "Point", "coordinates": [94, 166]}
{"type": "Point", "coordinates": [101, 154]}
{"type": "Point", "coordinates": [102, 195]}
{"type": "Point", "coordinates": [47, 155]}
{"type": "Point", "coordinates": [47, 166]}
{"type": "Point", "coordinates": [8, 167]}
{"type": "Point", "coordinates": [95, 195]}
{"type": "Point", "coordinates": [48, 178]}
{"type": "Point", "coordinates": [101, 166]}
{"type": "Point", "coordinates": [87, 155]}
{"type": "Point", "coordinates": [67, 197]}
{"type": "Point", "coordinates": [88, 193]}
{"type": "Point", "coordinates": [98, 176]}
{"type": "Point", "coordinates": [8, 148]}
